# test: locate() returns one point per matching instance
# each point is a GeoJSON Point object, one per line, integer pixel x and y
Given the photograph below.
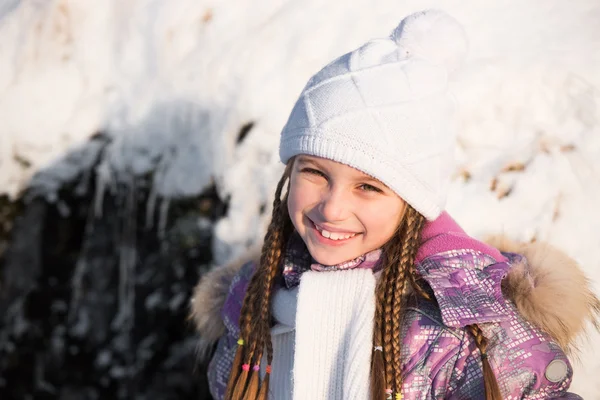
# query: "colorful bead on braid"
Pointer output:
{"type": "Point", "coordinates": [246, 367]}
{"type": "Point", "coordinates": [398, 396]}
{"type": "Point", "coordinates": [256, 368]}
{"type": "Point", "coordinates": [389, 394]}
{"type": "Point", "coordinates": [268, 369]}
{"type": "Point", "coordinates": [240, 341]}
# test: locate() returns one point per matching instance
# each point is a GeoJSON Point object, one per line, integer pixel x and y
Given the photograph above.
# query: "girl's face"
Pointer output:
{"type": "Point", "coordinates": [340, 212]}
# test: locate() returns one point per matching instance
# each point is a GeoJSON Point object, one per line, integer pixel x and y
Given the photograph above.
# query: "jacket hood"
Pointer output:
{"type": "Point", "coordinates": [209, 296]}
{"type": "Point", "coordinates": [550, 290]}
{"type": "Point", "coordinates": [445, 234]}
{"type": "Point", "coordinates": [547, 286]}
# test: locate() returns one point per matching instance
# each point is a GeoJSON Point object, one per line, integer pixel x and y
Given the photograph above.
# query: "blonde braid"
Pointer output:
{"type": "Point", "coordinates": [492, 389]}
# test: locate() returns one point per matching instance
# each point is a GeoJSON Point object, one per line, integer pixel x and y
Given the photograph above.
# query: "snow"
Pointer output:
{"type": "Point", "coordinates": [171, 83]}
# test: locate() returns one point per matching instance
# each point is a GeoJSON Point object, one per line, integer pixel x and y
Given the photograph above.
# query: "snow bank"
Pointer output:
{"type": "Point", "coordinates": [173, 82]}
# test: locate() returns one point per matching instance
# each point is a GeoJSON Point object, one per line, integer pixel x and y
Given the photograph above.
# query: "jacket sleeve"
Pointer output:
{"type": "Point", "coordinates": [222, 360]}
{"type": "Point", "coordinates": [466, 381]}
{"type": "Point", "coordinates": [220, 366]}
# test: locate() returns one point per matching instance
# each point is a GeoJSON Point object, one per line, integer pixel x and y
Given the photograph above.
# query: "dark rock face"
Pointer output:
{"type": "Point", "coordinates": [94, 294]}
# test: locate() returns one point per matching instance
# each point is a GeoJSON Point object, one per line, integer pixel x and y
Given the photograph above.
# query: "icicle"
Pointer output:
{"type": "Point", "coordinates": [164, 214]}
{"type": "Point", "coordinates": [39, 375]}
{"type": "Point", "coordinates": [103, 177]}
{"type": "Point", "coordinates": [81, 267]}
{"type": "Point", "coordinates": [151, 207]}
{"type": "Point", "coordinates": [127, 260]}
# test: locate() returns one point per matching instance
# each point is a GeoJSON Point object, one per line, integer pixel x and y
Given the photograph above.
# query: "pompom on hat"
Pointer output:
{"type": "Point", "coordinates": [385, 109]}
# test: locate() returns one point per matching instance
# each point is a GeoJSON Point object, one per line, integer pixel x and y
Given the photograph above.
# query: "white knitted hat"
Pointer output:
{"type": "Point", "coordinates": [385, 109]}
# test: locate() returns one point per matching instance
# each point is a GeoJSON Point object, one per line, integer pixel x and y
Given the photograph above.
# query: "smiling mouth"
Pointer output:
{"type": "Point", "coordinates": [333, 235]}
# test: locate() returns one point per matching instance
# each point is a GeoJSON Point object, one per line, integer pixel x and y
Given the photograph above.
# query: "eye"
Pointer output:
{"type": "Point", "coordinates": [370, 188]}
{"type": "Point", "coordinates": [312, 171]}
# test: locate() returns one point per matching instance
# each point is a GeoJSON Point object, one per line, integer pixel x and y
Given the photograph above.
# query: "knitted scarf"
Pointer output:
{"type": "Point", "coordinates": [333, 325]}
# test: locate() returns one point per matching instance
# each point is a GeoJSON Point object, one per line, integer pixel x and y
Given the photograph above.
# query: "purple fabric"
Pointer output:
{"type": "Point", "coordinates": [466, 292]}
{"type": "Point", "coordinates": [220, 364]}
{"type": "Point", "coordinates": [445, 234]}
{"type": "Point", "coordinates": [439, 357]}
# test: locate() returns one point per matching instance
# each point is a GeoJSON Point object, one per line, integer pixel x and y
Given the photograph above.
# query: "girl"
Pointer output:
{"type": "Point", "coordinates": [365, 287]}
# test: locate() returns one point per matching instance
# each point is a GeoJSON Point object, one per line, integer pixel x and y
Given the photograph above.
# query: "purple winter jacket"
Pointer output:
{"type": "Point", "coordinates": [440, 358]}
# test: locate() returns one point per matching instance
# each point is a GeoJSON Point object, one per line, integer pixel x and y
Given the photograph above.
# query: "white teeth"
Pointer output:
{"type": "Point", "coordinates": [334, 235]}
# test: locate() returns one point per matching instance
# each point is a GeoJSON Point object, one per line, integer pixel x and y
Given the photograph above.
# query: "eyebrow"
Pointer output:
{"type": "Point", "coordinates": [305, 160]}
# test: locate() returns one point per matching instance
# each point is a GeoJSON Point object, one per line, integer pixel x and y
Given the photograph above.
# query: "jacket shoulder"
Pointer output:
{"type": "Point", "coordinates": [446, 362]}
{"type": "Point", "coordinates": [466, 284]}
{"type": "Point", "coordinates": [472, 287]}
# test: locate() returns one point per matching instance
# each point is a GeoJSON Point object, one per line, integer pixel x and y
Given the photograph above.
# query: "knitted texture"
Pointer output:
{"type": "Point", "coordinates": [281, 385]}
{"type": "Point", "coordinates": [385, 109]}
{"type": "Point", "coordinates": [334, 335]}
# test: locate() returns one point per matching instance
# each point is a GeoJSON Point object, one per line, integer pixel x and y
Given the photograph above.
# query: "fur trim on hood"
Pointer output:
{"type": "Point", "coordinates": [208, 299]}
{"type": "Point", "coordinates": [549, 289]}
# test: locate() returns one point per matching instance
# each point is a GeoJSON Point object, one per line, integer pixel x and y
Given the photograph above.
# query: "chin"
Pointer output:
{"type": "Point", "coordinates": [327, 261]}
{"type": "Point", "coordinates": [326, 258]}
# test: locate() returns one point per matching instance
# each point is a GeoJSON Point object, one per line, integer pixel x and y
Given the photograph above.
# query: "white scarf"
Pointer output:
{"type": "Point", "coordinates": [333, 335]}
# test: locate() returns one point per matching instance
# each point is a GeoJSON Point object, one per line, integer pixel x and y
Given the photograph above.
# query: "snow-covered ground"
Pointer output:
{"type": "Point", "coordinates": [173, 81]}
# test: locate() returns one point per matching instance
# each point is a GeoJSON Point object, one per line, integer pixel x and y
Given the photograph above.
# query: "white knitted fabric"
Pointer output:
{"type": "Point", "coordinates": [281, 385]}
{"type": "Point", "coordinates": [385, 109]}
{"type": "Point", "coordinates": [283, 335]}
{"type": "Point", "coordinates": [334, 335]}
{"type": "Point", "coordinates": [335, 318]}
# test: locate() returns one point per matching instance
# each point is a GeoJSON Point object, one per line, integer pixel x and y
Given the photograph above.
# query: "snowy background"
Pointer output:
{"type": "Point", "coordinates": [196, 92]}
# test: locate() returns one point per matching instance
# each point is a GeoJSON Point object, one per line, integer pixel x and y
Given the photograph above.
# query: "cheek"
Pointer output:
{"type": "Point", "coordinates": [302, 195]}
{"type": "Point", "coordinates": [291, 205]}
{"type": "Point", "coordinates": [382, 224]}
{"type": "Point", "coordinates": [297, 202]}
{"type": "Point", "coordinates": [293, 199]}
{"type": "Point", "coordinates": [384, 219]}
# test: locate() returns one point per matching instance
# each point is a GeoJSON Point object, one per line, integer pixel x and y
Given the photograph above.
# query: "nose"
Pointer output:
{"type": "Point", "coordinates": [334, 205]}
